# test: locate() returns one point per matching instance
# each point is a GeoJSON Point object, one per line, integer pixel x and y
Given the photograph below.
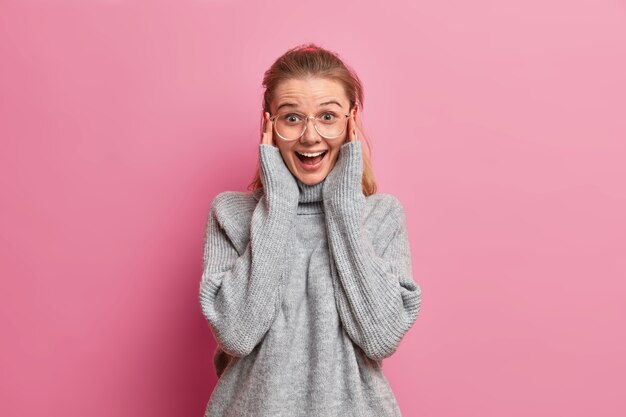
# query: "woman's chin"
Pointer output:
{"type": "Point", "coordinates": [311, 178]}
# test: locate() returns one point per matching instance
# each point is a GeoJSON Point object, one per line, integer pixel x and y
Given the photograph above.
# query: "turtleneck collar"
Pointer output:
{"type": "Point", "coordinates": [311, 200]}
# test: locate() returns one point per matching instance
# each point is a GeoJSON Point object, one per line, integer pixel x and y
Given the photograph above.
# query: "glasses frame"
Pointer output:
{"type": "Point", "coordinates": [306, 125]}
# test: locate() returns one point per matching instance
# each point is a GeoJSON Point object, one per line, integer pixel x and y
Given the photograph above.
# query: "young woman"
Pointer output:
{"type": "Point", "coordinates": [307, 283]}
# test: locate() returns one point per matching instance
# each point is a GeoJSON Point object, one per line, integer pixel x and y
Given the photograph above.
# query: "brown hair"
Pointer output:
{"type": "Point", "coordinates": [311, 60]}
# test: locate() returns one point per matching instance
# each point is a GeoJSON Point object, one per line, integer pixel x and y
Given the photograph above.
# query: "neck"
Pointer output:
{"type": "Point", "coordinates": [310, 197]}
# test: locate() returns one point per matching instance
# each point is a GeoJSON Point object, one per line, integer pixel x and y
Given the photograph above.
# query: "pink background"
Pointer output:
{"type": "Point", "coordinates": [499, 124]}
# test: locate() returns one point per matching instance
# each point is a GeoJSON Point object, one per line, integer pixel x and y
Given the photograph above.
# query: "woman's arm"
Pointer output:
{"type": "Point", "coordinates": [376, 297]}
{"type": "Point", "coordinates": [240, 294]}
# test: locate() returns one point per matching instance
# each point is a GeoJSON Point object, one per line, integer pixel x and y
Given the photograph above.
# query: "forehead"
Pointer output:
{"type": "Point", "coordinates": [309, 93]}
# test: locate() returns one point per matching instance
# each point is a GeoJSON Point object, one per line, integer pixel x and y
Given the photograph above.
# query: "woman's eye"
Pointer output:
{"type": "Point", "coordinates": [328, 116]}
{"type": "Point", "coordinates": [292, 117]}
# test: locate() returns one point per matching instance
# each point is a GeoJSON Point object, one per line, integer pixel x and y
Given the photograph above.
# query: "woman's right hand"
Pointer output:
{"type": "Point", "coordinates": [279, 183]}
{"type": "Point", "coordinates": [267, 136]}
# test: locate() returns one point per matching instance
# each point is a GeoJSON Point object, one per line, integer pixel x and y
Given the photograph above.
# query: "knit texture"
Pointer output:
{"type": "Point", "coordinates": [306, 290]}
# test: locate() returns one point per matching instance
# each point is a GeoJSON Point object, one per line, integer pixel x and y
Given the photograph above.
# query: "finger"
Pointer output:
{"type": "Point", "coordinates": [264, 128]}
{"type": "Point", "coordinates": [268, 137]}
{"type": "Point", "coordinates": [351, 128]}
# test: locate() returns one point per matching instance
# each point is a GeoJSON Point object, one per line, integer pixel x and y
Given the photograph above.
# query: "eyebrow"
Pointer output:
{"type": "Point", "coordinates": [330, 102]}
{"type": "Point", "coordinates": [288, 104]}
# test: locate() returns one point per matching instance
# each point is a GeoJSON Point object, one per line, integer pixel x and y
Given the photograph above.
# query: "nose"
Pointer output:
{"type": "Point", "coordinates": [310, 135]}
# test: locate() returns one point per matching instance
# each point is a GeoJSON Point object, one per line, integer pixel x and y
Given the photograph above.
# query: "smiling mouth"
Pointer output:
{"type": "Point", "coordinates": [311, 160]}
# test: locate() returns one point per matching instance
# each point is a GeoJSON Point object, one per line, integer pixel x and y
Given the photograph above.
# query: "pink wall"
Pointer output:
{"type": "Point", "coordinates": [500, 125]}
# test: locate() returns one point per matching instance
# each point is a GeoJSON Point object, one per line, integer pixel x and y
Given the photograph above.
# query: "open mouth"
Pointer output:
{"type": "Point", "coordinates": [311, 158]}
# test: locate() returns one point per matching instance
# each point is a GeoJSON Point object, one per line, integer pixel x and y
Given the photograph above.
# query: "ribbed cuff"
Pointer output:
{"type": "Point", "coordinates": [343, 185]}
{"type": "Point", "coordinates": [278, 182]}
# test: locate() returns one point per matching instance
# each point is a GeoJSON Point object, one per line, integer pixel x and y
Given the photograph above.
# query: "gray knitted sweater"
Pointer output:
{"type": "Point", "coordinates": [306, 290]}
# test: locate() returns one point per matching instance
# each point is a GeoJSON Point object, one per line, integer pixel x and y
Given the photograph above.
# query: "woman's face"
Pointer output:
{"type": "Point", "coordinates": [307, 96]}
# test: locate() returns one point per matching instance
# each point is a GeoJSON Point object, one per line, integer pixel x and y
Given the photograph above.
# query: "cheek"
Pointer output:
{"type": "Point", "coordinates": [285, 152]}
{"type": "Point", "coordinates": [333, 159]}
{"type": "Point", "coordinates": [288, 158]}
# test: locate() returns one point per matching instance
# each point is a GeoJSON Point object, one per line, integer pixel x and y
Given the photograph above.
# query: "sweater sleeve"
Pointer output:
{"type": "Point", "coordinates": [376, 297]}
{"type": "Point", "coordinates": [240, 293]}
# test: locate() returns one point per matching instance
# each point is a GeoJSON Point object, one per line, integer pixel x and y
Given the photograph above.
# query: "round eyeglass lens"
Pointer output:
{"type": "Point", "coordinates": [291, 125]}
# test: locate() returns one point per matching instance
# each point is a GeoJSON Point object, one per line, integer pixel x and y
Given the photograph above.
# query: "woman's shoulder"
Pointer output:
{"type": "Point", "coordinates": [233, 210]}
{"type": "Point", "coordinates": [234, 203]}
{"type": "Point", "coordinates": [384, 206]}
{"type": "Point", "coordinates": [384, 201]}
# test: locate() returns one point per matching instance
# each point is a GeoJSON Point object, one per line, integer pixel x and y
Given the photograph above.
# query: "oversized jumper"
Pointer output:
{"type": "Point", "coordinates": [306, 288]}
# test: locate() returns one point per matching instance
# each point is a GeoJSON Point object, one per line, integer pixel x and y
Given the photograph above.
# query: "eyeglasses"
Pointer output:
{"type": "Point", "coordinates": [292, 125]}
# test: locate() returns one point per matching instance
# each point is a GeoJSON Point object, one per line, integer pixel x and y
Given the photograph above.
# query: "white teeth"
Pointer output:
{"type": "Point", "coordinates": [310, 155]}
